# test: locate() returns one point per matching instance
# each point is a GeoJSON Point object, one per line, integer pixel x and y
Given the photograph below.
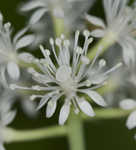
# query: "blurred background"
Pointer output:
{"type": "Point", "coordinates": [99, 135]}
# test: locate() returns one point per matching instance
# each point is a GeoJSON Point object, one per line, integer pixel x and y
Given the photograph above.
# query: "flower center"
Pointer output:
{"type": "Point", "coordinates": [67, 83]}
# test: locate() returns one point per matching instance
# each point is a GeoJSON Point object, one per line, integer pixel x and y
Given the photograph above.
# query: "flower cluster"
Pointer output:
{"type": "Point", "coordinates": [65, 74]}
{"type": "Point", "coordinates": [72, 73]}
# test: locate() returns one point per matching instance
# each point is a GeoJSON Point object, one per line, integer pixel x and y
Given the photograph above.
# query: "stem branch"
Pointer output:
{"type": "Point", "coordinates": [75, 133]}
{"type": "Point", "coordinates": [12, 135]}
{"type": "Point", "coordinates": [108, 40]}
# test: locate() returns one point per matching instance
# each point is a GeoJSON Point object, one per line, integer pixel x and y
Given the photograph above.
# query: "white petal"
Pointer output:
{"type": "Point", "coordinates": [128, 56]}
{"type": "Point", "coordinates": [97, 33]}
{"type": "Point", "coordinates": [97, 78]}
{"type": "Point", "coordinates": [29, 107]}
{"type": "Point", "coordinates": [64, 113]}
{"type": "Point", "coordinates": [43, 101]}
{"type": "Point", "coordinates": [128, 104]}
{"type": "Point", "coordinates": [13, 70]}
{"type": "Point", "coordinates": [1, 17]}
{"type": "Point", "coordinates": [85, 107]}
{"type": "Point", "coordinates": [25, 41]}
{"type": "Point", "coordinates": [31, 5]}
{"type": "Point", "coordinates": [1, 147]}
{"type": "Point", "coordinates": [95, 21]}
{"type": "Point", "coordinates": [37, 15]}
{"type": "Point", "coordinates": [51, 107]}
{"type": "Point", "coordinates": [128, 52]}
{"type": "Point", "coordinates": [9, 117]}
{"type": "Point", "coordinates": [98, 99]}
{"type": "Point", "coordinates": [131, 122]}
{"type": "Point", "coordinates": [26, 57]}
{"type": "Point", "coordinates": [19, 34]}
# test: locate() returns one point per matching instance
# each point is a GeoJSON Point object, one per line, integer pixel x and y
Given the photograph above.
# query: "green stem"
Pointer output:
{"type": "Point", "coordinates": [111, 86]}
{"type": "Point", "coordinates": [108, 40]}
{"type": "Point", "coordinates": [12, 135]}
{"type": "Point", "coordinates": [75, 133]}
{"type": "Point", "coordinates": [109, 113]}
{"type": "Point", "coordinates": [59, 27]}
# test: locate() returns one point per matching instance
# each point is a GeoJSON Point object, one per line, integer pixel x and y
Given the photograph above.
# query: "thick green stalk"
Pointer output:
{"type": "Point", "coordinates": [111, 86]}
{"type": "Point", "coordinates": [108, 40]}
{"type": "Point", "coordinates": [75, 133]}
{"type": "Point", "coordinates": [12, 135]}
{"type": "Point", "coordinates": [59, 27]}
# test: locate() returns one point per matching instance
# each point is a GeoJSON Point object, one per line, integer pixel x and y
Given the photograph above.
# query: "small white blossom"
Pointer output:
{"type": "Point", "coordinates": [120, 26]}
{"type": "Point", "coordinates": [9, 48]}
{"type": "Point", "coordinates": [66, 73]}
{"type": "Point", "coordinates": [70, 10]}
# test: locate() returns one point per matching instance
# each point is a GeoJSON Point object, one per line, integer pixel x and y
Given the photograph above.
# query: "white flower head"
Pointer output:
{"type": "Point", "coordinates": [9, 48]}
{"type": "Point", "coordinates": [67, 72]}
{"type": "Point", "coordinates": [69, 10]}
{"type": "Point", "coordinates": [120, 26]}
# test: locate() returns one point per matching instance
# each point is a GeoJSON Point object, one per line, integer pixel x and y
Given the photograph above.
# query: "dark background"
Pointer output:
{"type": "Point", "coordinates": [98, 135]}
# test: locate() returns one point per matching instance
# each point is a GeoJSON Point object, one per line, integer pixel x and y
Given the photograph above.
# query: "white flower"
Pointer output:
{"type": "Point", "coordinates": [6, 117]}
{"type": "Point", "coordinates": [9, 47]}
{"type": "Point", "coordinates": [120, 26]}
{"type": "Point", "coordinates": [65, 74]}
{"type": "Point", "coordinates": [69, 10]}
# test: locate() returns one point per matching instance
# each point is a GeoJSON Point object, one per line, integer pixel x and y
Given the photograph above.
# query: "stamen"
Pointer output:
{"type": "Point", "coordinates": [75, 47]}
{"type": "Point", "coordinates": [86, 33]}
{"type": "Point", "coordinates": [79, 50]}
{"type": "Point", "coordinates": [67, 51]}
{"type": "Point", "coordinates": [53, 49]}
{"type": "Point", "coordinates": [113, 69]}
{"type": "Point", "coordinates": [76, 39]}
{"type": "Point", "coordinates": [7, 26]}
{"type": "Point", "coordinates": [14, 86]}
{"type": "Point", "coordinates": [46, 52]}
{"type": "Point", "coordinates": [96, 56]}
{"type": "Point", "coordinates": [33, 72]}
{"type": "Point", "coordinates": [76, 107]}
{"type": "Point", "coordinates": [85, 60]}
{"type": "Point", "coordinates": [62, 36]}
{"type": "Point", "coordinates": [102, 63]}
{"type": "Point", "coordinates": [33, 97]}
{"type": "Point", "coordinates": [58, 42]}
